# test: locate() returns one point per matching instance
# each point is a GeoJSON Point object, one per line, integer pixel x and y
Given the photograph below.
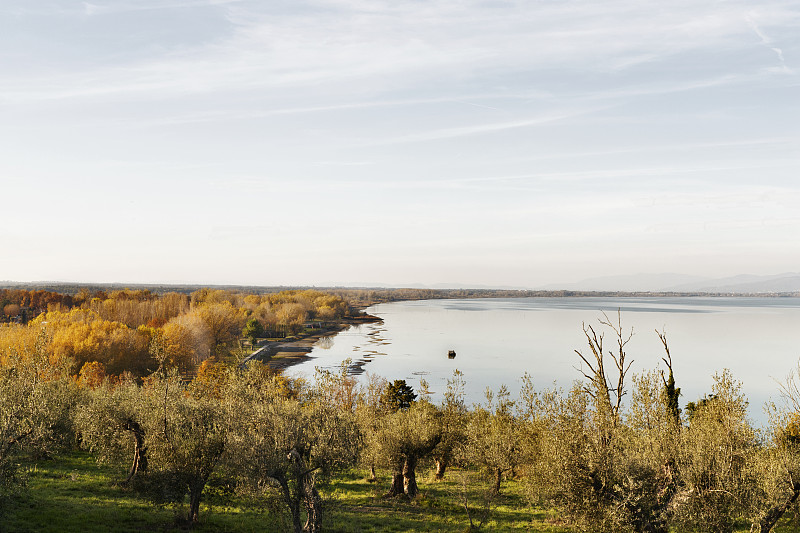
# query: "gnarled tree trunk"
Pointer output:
{"type": "Point", "coordinates": [773, 515]}
{"type": "Point", "coordinates": [306, 492]}
{"type": "Point", "coordinates": [292, 503]}
{"type": "Point", "coordinates": [441, 465]}
{"type": "Point", "coordinates": [313, 504]}
{"type": "Point", "coordinates": [195, 492]}
{"type": "Point", "coordinates": [410, 476]}
{"type": "Point", "coordinates": [498, 477]}
{"type": "Point", "coordinates": [139, 449]}
{"type": "Point", "coordinates": [397, 488]}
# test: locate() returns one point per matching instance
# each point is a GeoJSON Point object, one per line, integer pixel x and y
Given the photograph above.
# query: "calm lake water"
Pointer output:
{"type": "Point", "coordinates": [498, 340]}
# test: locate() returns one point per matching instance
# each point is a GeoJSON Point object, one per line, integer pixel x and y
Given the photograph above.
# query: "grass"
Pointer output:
{"type": "Point", "coordinates": [72, 493]}
{"type": "Point", "coordinates": [357, 506]}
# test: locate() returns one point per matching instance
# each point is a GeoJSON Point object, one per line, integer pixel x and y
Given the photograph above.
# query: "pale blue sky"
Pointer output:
{"type": "Point", "coordinates": [333, 141]}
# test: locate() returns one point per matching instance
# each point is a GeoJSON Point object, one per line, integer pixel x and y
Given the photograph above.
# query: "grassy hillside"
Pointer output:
{"type": "Point", "coordinates": [73, 494]}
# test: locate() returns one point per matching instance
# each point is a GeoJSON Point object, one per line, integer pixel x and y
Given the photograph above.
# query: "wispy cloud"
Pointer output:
{"type": "Point", "coordinates": [477, 129]}
{"type": "Point", "coordinates": [766, 41]}
{"type": "Point", "coordinates": [379, 47]}
{"type": "Point", "coordinates": [119, 6]}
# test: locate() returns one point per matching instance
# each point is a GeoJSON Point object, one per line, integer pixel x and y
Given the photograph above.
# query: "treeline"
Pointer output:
{"type": "Point", "coordinates": [21, 303]}
{"type": "Point", "coordinates": [124, 331]}
{"type": "Point", "coordinates": [598, 462]}
{"type": "Point", "coordinates": [366, 297]}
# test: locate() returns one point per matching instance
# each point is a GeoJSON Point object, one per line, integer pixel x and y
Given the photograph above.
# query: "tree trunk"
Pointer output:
{"type": "Point", "coordinates": [768, 522]}
{"type": "Point", "coordinates": [294, 507]}
{"type": "Point", "coordinates": [313, 504]}
{"type": "Point", "coordinates": [410, 476]}
{"type": "Point", "coordinates": [372, 476]}
{"type": "Point", "coordinates": [498, 477]}
{"type": "Point", "coordinates": [441, 466]}
{"type": "Point", "coordinates": [139, 450]}
{"type": "Point", "coordinates": [397, 484]}
{"type": "Point", "coordinates": [195, 491]}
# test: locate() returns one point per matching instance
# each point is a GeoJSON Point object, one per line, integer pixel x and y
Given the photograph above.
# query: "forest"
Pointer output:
{"type": "Point", "coordinates": [153, 388]}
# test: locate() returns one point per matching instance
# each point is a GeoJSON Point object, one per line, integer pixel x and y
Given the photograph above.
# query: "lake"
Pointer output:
{"type": "Point", "coordinates": [498, 340]}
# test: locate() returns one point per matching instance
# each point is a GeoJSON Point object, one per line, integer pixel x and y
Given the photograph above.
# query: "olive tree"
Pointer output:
{"type": "Point", "coordinates": [602, 465]}
{"type": "Point", "coordinates": [777, 468]}
{"type": "Point", "coordinates": [109, 421]}
{"type": "Point", "coordinates": [454, 416]}
{"type": "Point", "coordinates": [287, 442]}
{"type": "Point", "coordinates": [778, 463]}
{"type": "Point", "coordinates": [369, 411]}
{"type": "Point", "coordinates": [35, 401]}
{"type": "Point", "coordinates": [493, 437]}
{"type": "Point", "coordinates": [186, 433]}
{"type": "Point", "coordinates": [400, 439]}
{"type": "Point", "coordinates": [716, 454]}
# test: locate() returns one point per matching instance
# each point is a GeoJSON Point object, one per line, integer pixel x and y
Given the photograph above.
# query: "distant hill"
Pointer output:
{"type": "Point", "coordinates": [669, 282]}
{"type": "Point", "coordinates": [630, 283]}
{"type": "Point", "coordinates": [787, 282]}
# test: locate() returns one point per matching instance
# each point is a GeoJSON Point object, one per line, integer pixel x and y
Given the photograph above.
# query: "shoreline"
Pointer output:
{"type": "Point", "coordinates": [283, 354]}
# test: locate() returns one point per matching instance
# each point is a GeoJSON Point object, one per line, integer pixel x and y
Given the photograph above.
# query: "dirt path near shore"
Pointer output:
{"type": "Point", "coordinates": [280, 355]}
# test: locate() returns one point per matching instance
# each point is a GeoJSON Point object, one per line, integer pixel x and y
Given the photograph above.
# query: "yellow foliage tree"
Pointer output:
{"type": "Point", "coordinates": [82, 336]}
{"type": "Point", "coordinates": [224, 322]}
{"type": "Point", "coordinates": [186, 340]}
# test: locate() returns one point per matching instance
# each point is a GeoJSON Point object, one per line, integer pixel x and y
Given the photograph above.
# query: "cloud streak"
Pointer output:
{"type": "Point", "coordinates": [524, 121]}
{"type": "Point", "coordinates": [385, 46]}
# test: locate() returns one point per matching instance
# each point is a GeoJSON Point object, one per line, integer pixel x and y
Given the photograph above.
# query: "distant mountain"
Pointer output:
{"type": "Point", "coordinates": [668, 282]}
{"type": "Point", "coordinates": [746, 283]}
{"type": "Point", "coordinates": [630, 283]}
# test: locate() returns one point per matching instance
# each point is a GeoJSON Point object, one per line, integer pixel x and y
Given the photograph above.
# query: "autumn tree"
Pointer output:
{"type": "Point", "coordinates": [224, 323]}
{"type": "Point", "coordinates": [292, 315]}
{"type": "Point", "coordinates": [92, 374]}
{"type": "Point", "coordinates": [186, 341]}
{"type": "Point", "coordinates": [19, 341]}
{"type": "Point", "coordinates": [11, 310]}
{"type": "Point", "coordinates": [81, 336]}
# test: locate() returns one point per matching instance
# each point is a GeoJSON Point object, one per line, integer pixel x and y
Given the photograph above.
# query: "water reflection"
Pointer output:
{"type": "Point", "coordinates": [324, 343]}
{"type": "Point", "coordinates": [498, 340]}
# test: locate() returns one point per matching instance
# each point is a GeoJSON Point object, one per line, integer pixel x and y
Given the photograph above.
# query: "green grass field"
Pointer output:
{"type": "Point", "coordinates": [73, 494]}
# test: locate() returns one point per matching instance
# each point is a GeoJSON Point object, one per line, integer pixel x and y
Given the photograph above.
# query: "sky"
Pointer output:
{"type": "Point", "coordinates": [327, 142]}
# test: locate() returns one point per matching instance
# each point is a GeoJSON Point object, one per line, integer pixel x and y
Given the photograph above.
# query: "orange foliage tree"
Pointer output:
{"type": "Point", "coordinates": [82, 336]}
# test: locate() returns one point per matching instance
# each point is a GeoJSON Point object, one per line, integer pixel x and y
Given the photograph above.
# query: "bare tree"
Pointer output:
{"type": "Point", "coordinates": [607, 397]}
{"type": "Point", "coordinates": [671, 393]}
